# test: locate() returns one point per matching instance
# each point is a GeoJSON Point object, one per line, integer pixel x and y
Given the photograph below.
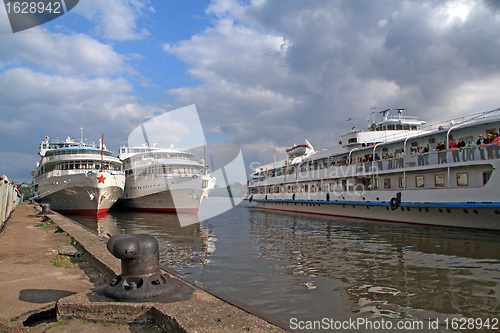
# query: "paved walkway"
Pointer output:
{"type": "Point", "coordinates": [28, 280]}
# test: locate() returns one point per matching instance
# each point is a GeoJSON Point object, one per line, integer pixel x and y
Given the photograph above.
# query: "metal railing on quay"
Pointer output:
{"type": "Point", "coordinates": [9, 199]}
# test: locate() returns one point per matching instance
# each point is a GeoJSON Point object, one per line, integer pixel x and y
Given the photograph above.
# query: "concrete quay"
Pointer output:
{"type": "Point", "coordinates": [51, 271]}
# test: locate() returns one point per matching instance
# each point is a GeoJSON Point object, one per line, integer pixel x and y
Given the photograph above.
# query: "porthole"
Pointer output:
{"type": "Point", "coordinates": [448, 210]}
{"type": "Point", "coordinates": [426, 209]}
{"type": "Point", "coordinates": [475, 211]}
{"type": "Point", "coordinates": [466, 211]}
{"type": "Point", "coordinates": [497, 212]}
{"type": "Point", "coordinates": [440, 210]}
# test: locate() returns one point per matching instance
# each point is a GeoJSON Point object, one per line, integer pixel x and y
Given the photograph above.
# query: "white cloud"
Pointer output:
{"type": "Point", "coordinates": [39, 104]}
{"type": "Point", "coordinates": [66, 54]}
{"type": "Point", "coordinates": [116, 19]}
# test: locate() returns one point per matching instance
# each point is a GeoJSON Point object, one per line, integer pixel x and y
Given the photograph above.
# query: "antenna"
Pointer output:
{"type": "Point", "coordinates": [349, 121]}
{"type": "Point", "coordinates": [385, 113]}
{"type": "Point", "coordinates": [400, 112]}
{"type": "Point", "coordinates": [81, 135]}
{"type": "Point", "coordinates": [373, 107]}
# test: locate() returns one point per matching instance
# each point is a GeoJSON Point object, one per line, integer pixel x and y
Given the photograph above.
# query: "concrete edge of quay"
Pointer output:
{"type": "Point", "coordinates": [206, 311]}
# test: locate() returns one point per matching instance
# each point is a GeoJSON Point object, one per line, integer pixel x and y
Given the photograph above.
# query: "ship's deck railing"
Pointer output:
{"type": "Point", "coordinates": [446, 158]}
{"type": "Point", "coordinates": [80, 157]}
{"type": "Point", "coordinates": [58, 173]}
{"type": "Point", "coordinates": [465, 120]}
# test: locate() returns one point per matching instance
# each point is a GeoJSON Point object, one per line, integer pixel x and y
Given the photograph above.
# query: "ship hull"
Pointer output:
{"type": "Point", "coordinates": [439, 214]}
{"type": "Point", "coordinates": [81, 194]}
{"type": "Point", "coordinates": [171, 195]}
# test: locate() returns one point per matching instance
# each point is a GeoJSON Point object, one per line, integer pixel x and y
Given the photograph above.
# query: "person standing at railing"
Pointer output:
{"type": "Point", "coordinates": [481, 142]}
{"type": "Point", "coordinates": [489, 146]}
{"type": "Point", "coordinates": [441, 149]}
{"type": "Point", "coordinates": [470, 150]}
{"type": "Point", "coordinates": [496, 145]}
{"type": "Point", "coordinates": [454, 150]}
{"type": "Point", "coordinates": [426, 154]}
{"type": "Point", "coordinates": [461, 146]}
{"type": "Point", "coordinates": [420, 158]}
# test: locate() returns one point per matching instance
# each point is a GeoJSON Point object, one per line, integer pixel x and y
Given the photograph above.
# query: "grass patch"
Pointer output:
{"type": "Point", "coordinates": [13, 319]}
{"type": "Point", "coordinates": [45, 222]}
{"type": "Point", "coordinates": [58, 323]}
{"type": "Point", "coordinates": [66, 261]}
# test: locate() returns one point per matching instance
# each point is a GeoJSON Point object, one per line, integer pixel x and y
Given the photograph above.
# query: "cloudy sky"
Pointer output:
{"type": "Point", "coordinates": [262, 73]}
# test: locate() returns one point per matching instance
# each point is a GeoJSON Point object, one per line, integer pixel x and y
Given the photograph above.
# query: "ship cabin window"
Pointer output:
{"type": "Point", "coordinates": [352, 140]}
{"type": "Point", "coordinates": [419, 181]}
{"type": "Point", "coordinates": [462, 179]}
{"type": "Point", "coordinates": [486, 177]}
{"type": "Point", "coordinates": [401, 182]}
{"type": "Point", "coordinates": [439, 180]}
{"type": "Point", "coordinates": [391, 127]}
{"type": "Point", "coordinates": [387, 183]}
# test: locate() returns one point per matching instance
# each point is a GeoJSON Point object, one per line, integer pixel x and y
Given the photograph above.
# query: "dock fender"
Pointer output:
{"type": "Point", "coordinates": [250, 199]}
{"type": "Point", "coordinates": [328, 197]}
{"type": "Point", "coordinates": [395, 201]}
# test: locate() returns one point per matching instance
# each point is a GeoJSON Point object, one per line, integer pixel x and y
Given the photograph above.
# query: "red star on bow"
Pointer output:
{"type": "Point", "coordinates": [101, 179]}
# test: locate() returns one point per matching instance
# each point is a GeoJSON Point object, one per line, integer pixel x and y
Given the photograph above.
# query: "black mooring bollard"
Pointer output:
{"type": "Point", "coordinates": [45, 209]}
{"type": "Point", "coordinates": [141, 277]}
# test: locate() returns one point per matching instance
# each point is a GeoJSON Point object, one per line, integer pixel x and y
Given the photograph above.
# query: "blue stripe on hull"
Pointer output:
{"type": "Point", "coordinates": [387, 203]}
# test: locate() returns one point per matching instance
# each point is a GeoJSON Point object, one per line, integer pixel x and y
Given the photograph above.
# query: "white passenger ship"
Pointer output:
{"type": "Point", "coordinates": [164, 179]}
{"type": "Point", "coordinates": [76, 177]}
{"type": "Point", "coordinates": [384, 174]}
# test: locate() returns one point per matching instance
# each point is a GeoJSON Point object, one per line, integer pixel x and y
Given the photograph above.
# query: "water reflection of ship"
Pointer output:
{"type": "Point", "coordinates": [389, 270]}
{"type": "Point", "coordinates": [179, 246]}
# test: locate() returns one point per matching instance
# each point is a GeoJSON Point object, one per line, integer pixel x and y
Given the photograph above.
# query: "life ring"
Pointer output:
{"type": "Point", "coordinates": [395, 201]}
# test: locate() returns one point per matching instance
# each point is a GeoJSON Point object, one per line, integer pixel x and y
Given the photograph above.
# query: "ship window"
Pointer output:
{"type": "Point", "coordinates": [352, 140]}
{"type": "Point", "coordinates": [402, 182]}
{"type": "Point", "coordinates": [486, 177]}
{"type": "Point", "coordinates": [462, 179]}
{"type": "Point", "coordinates": [387, 183]}
{"type": "Point", "coordinates": [439, 180]}
{"type": "Point", "coordinates": [419, 181]}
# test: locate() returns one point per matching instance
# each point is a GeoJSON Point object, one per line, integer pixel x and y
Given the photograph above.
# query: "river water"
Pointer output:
{"type": "Point", "coordinates": [302, 268]}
